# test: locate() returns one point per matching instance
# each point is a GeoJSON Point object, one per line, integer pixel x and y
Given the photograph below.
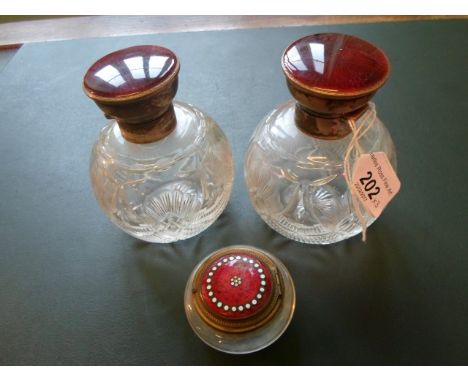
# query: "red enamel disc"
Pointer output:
{"type": "Point", "coordinates": [335, 63]}
{"type": "Point", "coordinates": [236, 286]}
{"type": "Point", "coordinates": [130, 71]}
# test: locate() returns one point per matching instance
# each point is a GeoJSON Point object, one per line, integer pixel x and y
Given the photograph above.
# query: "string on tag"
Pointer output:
{"type": "Point", "coordinates": [358, 128]}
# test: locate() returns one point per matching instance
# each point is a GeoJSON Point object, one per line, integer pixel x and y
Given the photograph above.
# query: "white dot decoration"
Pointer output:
{"type": "Point", "coordinates": [238, 257]}
{"type": "Point", "coordinates": [208, 287]}
{"type": "Point", "coordinates": [219, 264]}
{"type": "Point", "coordinates": [259, 296]}
{"type": "Point", "coordinates": [263, 282]}
{"type": "Point", "coordinates": [226, 307]}
{"type": "Point", "coordinates": [225, 260]}
{"type": "Point", "coordinates": [236, 281]}
{"type": "Point", "coordinates": [214, 268]}
{"type": "Point", "coordinates": [262, 290]}
{"type": "Point", "coordinates": [210, 293]}
{"type": "Point", "coordinates": [231, 258]}
{"type": "Point", "coordinates": [247, 306]}
{"type": "Point", "coordinates": [260, 270]}
{"type": "Point", "coordinates": [262, 276]}
{"type": "Point", "coordinates": [210, 274]}
{"type": "Point", "coordinates": [208, 280]}
{"type": "Point", "coordinates": [254, 302]}
{"type": "Point", "coordinates": [219, 304]}
{"type": "Point", "coordinates": [256, 265]}
{"type": "Point", "coordinates": [214, 299]}
{"type": "Point", "coordinates": [245, 259]}
{"type": "Point", "coordinates": [241, 308]}
{"type": "Point", "coordinates": [251, 261]}
{"type": "Point", "coordinates": [233, 308]}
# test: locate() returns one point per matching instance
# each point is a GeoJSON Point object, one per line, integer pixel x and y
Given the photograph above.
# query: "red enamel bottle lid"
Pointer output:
{"type": "Point", "coordinates": [336, 64]}
{"type": "Point", "coordinates": [136, 86]}
{"type": "Point", "coordinates": [333, 73]}
{"type": "Point", "coordinates": [239, 299]}
{"type": "Point", "coordinates": [131, 72]}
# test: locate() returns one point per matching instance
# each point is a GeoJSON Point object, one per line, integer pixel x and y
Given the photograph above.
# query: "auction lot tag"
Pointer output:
{"type": "Point", "coordinates": [375, 182]}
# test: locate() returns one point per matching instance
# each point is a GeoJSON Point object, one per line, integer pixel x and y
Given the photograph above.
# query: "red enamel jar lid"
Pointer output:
{"type": "Point", "coordinates": [238, 289]}
{"type": "Point", "coordinates": [236, 285]}
{"type": "Point", "coordinates": [130, 73]}
{"type": "Point", "coordinates": [335, 65]}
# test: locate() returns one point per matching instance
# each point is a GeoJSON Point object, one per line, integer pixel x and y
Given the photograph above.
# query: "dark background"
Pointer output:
{"type": "Point", "coordinates": [76, 290]}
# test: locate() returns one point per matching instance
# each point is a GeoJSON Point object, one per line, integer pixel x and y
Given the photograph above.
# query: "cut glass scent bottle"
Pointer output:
{"type": "Point", "coordinates": [161, 170]}
{"type": "Point", "coordinates": [294, 165]}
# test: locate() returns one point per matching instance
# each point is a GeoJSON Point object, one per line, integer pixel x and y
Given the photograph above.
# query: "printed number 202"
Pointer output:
{"type": "Point", "coordinates": [370, 185]}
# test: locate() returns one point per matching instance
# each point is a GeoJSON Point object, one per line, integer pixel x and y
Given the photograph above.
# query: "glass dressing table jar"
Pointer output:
{"type": "Point", "coordinates": [239, 299]}
{"type": "Point", "coordinates": [162, 171]}
{"type": "Point", "coordinates": [294, 164]}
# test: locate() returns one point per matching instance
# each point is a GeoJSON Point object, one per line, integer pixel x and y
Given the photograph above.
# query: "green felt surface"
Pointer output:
{"type": "Point", "coordinates": [76, 290]}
